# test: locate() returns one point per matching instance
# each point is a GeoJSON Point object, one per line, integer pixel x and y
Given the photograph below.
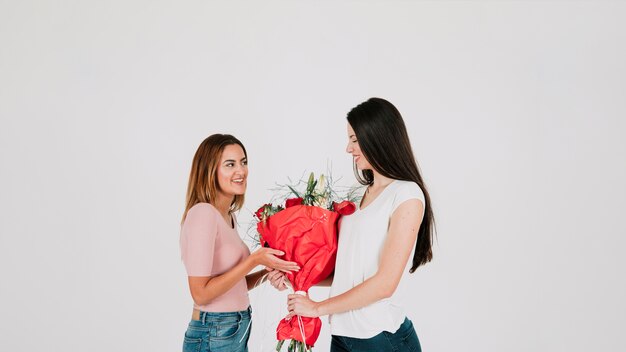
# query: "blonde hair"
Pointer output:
{"type": "Point", "coordinates": [203, 184]}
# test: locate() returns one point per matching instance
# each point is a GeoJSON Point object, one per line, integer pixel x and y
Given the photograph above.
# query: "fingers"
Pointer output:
{"type": "Point", "coordinates": [277, 279]}
{"type": "Point", "coordinates": [291, 305]}
{"type": "Point", "coordinates": [274, 251]}
{"type": "Point", "coordinates": [273, 274]}
{"type": "Point", "coordinates": [292, 300]}
{"type": "Point", "coordinates": [274, 277]}
{"type": "Point", "coordinates": [287, 269]}
{"type": "Point", "coordinates": [283, 265]}
{"type": "Point", "coordinates": [270, 260]}
{"type": "Point", "coordinates": [290, 315]}
{"type": "Point", "coordinates": [296, 305]}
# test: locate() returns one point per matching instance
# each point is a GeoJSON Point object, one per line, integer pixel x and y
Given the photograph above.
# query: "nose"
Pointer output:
{"type": "Point", "coordinates": [241, 169]}
{"type": "Point", "coordinates": [349, 148]}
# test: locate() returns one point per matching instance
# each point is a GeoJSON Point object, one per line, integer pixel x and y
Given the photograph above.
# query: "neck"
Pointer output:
{"type": "Point", "coordinates": [222, 203]}
{"type": "Point", "coordinates": [380, 180]}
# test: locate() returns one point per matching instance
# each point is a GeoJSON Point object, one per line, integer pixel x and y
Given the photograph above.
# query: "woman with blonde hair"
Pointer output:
{"type": "Point", "coordinates": [217, 261]}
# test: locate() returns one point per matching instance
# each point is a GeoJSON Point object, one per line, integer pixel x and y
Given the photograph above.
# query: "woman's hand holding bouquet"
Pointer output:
{"type": "Point", "coordinates": [306, 231]}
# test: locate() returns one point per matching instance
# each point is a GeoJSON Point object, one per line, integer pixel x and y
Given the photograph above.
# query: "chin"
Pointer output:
{"type": "Point", "coordinates": [239, 192]}
{"type": "Point", "coordinates": [236, 192]}
{"type": "Point", "coordinates": [363, 167]}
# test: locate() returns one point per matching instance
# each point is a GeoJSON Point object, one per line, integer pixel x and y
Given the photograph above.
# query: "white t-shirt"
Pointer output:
{"type": "Point", "coordinates": [361, 239]}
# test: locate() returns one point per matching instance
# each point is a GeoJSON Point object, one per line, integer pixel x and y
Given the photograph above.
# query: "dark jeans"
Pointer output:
{"type": "Point", "coordinates": [403, 340]}
{"type": "Point", "coordinates": [218, 332]}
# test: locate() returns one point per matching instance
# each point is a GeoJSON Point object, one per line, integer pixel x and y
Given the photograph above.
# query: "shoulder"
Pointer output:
{"type": "Point", "coordinates": [408, 188]}
{"type": "Point", "coordinates": [200, 212]}
{"type": "Point", "coordinates": [202, 208]}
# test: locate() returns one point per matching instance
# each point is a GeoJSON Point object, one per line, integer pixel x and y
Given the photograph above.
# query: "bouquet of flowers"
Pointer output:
{"type": "Point", "coordinates": [306, 230]}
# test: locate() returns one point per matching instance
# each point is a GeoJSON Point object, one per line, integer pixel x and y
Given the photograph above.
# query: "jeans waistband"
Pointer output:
{"type": "Point", "coordinates": [208, 316]}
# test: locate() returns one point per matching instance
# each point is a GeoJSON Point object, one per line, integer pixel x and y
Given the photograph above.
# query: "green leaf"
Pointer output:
{"type": "Point", "coordinates": [294, 191]}
{"type": "Point", "coordinates": [311, 188]}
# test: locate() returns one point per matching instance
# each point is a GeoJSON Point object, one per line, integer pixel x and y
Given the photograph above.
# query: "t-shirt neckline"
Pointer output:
{"type": "Point", "coordinates": [375, 199]}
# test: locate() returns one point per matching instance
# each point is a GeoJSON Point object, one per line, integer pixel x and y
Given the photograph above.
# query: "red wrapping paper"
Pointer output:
{"type": "Point", "coordinates": [308, 236]}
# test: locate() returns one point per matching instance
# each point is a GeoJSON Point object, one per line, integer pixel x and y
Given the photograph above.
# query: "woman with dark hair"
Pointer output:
{"type": "Point", "coordinates": [375, 242]}
{"type": "Point", "coordinates": [216, 259]}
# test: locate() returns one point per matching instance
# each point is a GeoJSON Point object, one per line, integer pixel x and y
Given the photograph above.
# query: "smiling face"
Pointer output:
{"type": "Point", "coordinates": [232, 171]}
{"type": "Point", "coordinates": [354, 149]}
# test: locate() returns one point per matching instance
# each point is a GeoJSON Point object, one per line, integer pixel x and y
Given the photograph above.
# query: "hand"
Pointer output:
{"type": "Point", "coordinates": [267, 257]}
{"type": "Point", "coordinates": [302, 306]}
{"type": "Point", "coordinates": [277, 278]}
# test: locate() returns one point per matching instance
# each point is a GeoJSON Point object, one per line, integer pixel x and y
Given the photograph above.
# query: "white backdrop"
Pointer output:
{"type": "Point", "coordinates": [516, 111]}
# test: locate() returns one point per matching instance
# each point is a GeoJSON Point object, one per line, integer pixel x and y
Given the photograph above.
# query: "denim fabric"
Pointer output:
{"type": "Point", "coordinates": [403, 340]}
{"type": "Point", "coordinates": [219, 332]}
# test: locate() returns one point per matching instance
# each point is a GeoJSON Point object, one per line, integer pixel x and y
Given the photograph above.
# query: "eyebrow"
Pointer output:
{"type": "Point", "coordinates": [232, 161]}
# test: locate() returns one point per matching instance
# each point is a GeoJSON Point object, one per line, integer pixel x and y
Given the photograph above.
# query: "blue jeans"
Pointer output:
{"type": "Point", "coordinates": [224, 332]}
{"type": "Point", "coordinates": [403, 340]}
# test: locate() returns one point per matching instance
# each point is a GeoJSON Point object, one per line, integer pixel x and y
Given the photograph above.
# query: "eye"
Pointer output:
{"type": "Point", "coordinates": [230, 164]}
{"type": "Point", "coordinates": [245, 162]}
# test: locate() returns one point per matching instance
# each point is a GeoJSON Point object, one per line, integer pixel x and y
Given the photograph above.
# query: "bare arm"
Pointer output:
{"type": "Point", "coordinates": [398, 246]}
{"type": "Point", "coordinates": [255, 279]}
{"type": "Point", "coordinates": [206, 288]}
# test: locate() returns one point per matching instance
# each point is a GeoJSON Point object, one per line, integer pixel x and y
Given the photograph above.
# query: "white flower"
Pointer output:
{"type": "Point", "coordinates": [321, 193]}
{"type": "Point", "coordinates": [321, 185]}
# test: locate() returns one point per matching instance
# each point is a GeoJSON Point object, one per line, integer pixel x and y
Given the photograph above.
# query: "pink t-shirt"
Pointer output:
{"type": "Point", "coordinates": [209, 247]}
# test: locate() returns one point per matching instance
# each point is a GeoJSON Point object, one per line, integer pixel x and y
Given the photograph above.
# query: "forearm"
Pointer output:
{"type": "Point", "coordinates": [218, 285]}
{"type": "Point", "coordinates": [370, 291]}
{"type": "Point", "coordinates": [255, 279]}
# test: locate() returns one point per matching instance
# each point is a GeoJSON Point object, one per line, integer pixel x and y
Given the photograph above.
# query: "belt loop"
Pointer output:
{"type": "Point", "coordinates": [203, 317]}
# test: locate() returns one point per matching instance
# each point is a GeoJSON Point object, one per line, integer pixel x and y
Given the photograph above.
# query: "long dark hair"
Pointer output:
{"type": "Point", "coordinates": [384, 141]}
